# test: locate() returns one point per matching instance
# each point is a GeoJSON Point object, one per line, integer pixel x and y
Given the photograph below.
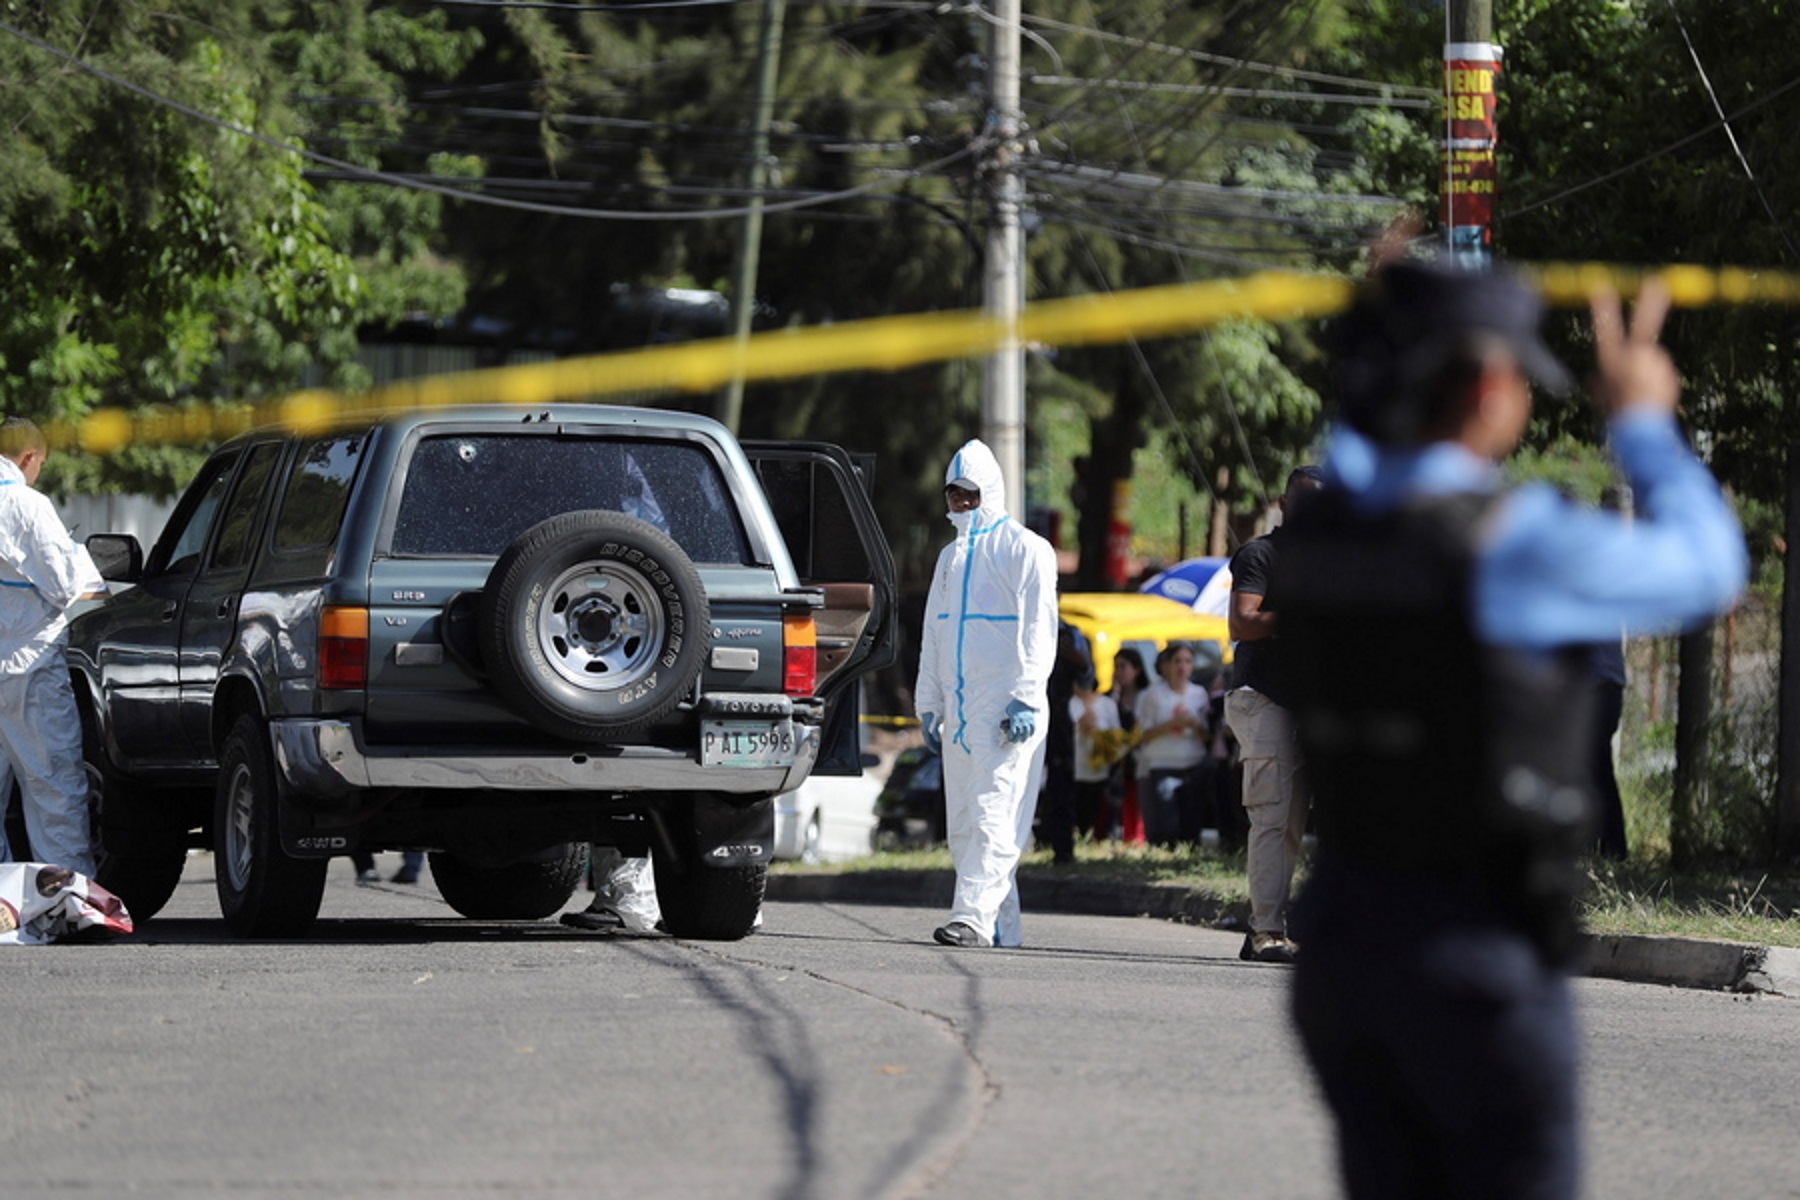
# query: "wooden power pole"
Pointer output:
{"type": "Point", "coordinates": [1471, 130]}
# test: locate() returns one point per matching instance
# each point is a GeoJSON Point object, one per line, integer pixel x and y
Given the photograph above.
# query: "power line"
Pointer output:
{"type": "Point", "coordinates": [1229, 93]}
{"type": "Point", "coordinates": [1730, 136]}
{"type": "Point", "coordinates": [1673, 146]}
{"type": "Point", "coordinates": [1234, 63]}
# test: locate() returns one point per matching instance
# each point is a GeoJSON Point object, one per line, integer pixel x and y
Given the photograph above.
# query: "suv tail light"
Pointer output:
{"type": "Point", "coordinates": [799, 656]}
{"type": "Point", "coordinates": [344, 648]}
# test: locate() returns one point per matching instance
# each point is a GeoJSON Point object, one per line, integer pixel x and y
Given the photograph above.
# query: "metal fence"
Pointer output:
{"type": "Point", "coordinates": [1732, 816]}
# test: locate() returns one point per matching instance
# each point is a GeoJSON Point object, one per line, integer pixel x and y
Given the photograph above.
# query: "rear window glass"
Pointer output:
{"type": "Point", "coordinates": [473, 494]}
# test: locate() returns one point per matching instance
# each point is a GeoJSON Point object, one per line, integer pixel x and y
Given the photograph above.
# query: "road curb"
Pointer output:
{"type": "Point", "coordinates": [1045, 892]}
{"type": "Point", "coordinates": [1691, 962]}
{"type": "Point", "coordinates": [1670, 961]}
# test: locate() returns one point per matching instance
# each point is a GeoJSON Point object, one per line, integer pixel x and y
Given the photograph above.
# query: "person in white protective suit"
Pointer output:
{"type": "Point", "coordinates": [42, 573]}
{"type": "Point", "coordinates": [624, 896]}
{"type": "Point", "coordinates": [984, 665]}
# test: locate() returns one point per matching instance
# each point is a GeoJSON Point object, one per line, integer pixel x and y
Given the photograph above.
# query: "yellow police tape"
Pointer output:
{"type": "Point", "coordinates": [890, 722]}
{"type": "Point", "coordinates": [877, 344]}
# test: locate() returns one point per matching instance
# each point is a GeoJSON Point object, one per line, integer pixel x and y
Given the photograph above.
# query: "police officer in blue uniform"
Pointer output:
{"type": "Point", "coordinates": [1451, 780]}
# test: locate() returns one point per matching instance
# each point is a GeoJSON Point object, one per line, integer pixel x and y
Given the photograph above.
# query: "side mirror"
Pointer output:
{"type": "Point", "coordinates": [117, 555]}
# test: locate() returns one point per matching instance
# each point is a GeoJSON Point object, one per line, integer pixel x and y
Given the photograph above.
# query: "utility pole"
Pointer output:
{"type": "Point", "coordinates": [1471, 130]}
{"type": "Point", "coordinates": [1003, 275]}
{"type": "Point", "coordinates": [749, 247]}
{"type": "Point", "coordinates": [1787, 780]}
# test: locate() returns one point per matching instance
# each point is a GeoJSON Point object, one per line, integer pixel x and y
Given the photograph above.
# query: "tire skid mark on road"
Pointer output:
{"type": "Point", "coordinates": [921, 1178]}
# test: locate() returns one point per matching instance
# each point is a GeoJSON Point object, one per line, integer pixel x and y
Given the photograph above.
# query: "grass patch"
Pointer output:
{"type": "Point", "coordinates": [1639, 897]}
{"type": "Point", "coordinates": [1644, 898]}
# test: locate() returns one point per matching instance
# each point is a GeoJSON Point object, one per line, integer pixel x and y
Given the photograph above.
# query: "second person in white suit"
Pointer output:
{"type": "Point", "coordinates": [984, 664]}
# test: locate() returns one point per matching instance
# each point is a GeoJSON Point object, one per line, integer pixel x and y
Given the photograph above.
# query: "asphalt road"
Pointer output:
{"type": "Point", "coordinates": [838, 1053]}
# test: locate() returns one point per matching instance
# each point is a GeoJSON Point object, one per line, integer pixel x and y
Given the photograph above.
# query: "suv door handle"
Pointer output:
{"type": "Point", "coordinates": [168, 613]}
{"type": "Point", "coordinates": [225, 607]}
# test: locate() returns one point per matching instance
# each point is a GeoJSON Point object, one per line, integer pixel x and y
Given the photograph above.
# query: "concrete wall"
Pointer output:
{"type": "Point", "coordinates": [137, 515]}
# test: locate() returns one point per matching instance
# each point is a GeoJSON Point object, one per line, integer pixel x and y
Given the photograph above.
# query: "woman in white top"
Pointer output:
{"type": "Point", "coordinates": [1092, 712]}
{"type": "Point", "coordinates": [1172, 716]}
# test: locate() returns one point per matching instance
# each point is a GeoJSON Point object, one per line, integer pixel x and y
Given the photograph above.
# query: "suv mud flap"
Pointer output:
{"type": "Point", "coordinates": [309, 833]}
{"type": "Point", "coordinates": [302, 836]}
{"type": "Point", "coordinates": [715, 832]}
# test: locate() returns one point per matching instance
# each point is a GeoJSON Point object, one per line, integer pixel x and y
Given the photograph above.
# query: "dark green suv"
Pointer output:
{"type": "Point", "coordinates": [492, 633]}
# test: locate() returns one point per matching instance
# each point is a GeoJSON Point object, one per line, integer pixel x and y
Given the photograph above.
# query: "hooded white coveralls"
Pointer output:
{"type": "Point", "coordinates": [989, 638]}
{"type": "Point", "coordinates": [42, 573]}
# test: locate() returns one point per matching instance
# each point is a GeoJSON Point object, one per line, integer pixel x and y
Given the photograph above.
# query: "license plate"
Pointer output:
{"type": "Point", "coordinates": [747, 743]}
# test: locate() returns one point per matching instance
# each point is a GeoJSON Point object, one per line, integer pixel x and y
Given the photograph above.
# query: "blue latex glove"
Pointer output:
{"type": "Point", "coordinates": [1020, 722]}
{"type": "Point", "coordinates": [934, 738]}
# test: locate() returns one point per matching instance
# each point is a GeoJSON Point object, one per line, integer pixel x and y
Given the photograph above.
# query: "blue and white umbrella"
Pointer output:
{"type": "Point", "coordinates": [1203, 584]}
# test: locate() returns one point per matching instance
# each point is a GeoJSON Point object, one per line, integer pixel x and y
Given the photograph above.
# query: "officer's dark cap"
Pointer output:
{"type": "Point", "coordinates": [1407, 323]}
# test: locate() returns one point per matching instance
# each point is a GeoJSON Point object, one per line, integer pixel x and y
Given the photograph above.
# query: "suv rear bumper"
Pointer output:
{"type": "Point", "coordinates": [323, 757]}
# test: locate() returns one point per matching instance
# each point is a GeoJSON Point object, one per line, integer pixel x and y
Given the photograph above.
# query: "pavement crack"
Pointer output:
{"type": "Point", "coordinates": [923, 1177]}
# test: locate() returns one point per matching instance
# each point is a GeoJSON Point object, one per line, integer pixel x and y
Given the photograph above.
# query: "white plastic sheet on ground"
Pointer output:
{"type": "Point", "coordinates": [41, 903]}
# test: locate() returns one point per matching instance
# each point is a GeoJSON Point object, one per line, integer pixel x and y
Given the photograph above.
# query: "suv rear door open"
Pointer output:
{"type": "Point", "coordinates": [820, 498]}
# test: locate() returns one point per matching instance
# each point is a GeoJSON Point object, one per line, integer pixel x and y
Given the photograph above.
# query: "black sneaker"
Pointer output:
{"type": "Point", "coordinates": [958, 934]}
{"type": "Point", "coordinates": [1268, 947]}
{"type": "Point", "coordinates": [596, 918]}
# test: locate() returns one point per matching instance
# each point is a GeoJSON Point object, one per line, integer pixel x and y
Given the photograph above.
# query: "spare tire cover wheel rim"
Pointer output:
{"type": "Point", "coordinates": [601, 626]}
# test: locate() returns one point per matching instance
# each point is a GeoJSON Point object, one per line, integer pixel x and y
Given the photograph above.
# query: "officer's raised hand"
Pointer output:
{"type": "Point", "coordinates": [1633, 370]}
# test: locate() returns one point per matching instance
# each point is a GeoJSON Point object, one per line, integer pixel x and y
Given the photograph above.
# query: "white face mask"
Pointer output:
{"type": "Point", "coordinates": [963, 520]}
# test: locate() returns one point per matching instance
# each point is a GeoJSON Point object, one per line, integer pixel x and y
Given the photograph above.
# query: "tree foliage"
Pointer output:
{"type": "Point", "coordinates": [1143, 163]}
{"type": "Point", "coordinates": [154, 257]}
{"type": "Point", "coordinates": [1618, 154]}
{"type": "Point", "coordinates": [150, 254]}
{"type": "Point", "coordinates": [1612, 150]}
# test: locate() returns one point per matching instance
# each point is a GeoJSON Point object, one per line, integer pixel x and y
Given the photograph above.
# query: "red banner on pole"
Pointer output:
{"type": "Point", "coordinates": [1471, 141]}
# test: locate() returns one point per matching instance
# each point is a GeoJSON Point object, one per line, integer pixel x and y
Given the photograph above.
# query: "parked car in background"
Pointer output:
{"type": "Point", "coordinates": [1113, 621]}
{"type": "Point", "coordinates": [828, 818]}
{"type": "Point", "coordinates": [909, 811]}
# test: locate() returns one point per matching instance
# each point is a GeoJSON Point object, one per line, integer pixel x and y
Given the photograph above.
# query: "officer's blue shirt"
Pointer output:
{"type": "Point", "coordinates": [1551, 573]}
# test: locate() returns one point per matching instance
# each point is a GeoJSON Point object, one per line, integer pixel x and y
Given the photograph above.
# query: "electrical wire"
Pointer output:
{"type": "Point", "coordinates": [1730, 136]}
{"type": "Point", "coordinates": [1235, 63]}
{"type": "Point", "coordinates": [1673, 146]}
{"type": "Point", "coordinates": [1229, 93]}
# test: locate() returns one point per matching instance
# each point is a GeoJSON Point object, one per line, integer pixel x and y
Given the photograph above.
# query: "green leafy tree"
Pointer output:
{"type": "Point", "coordinates": [1143, 167]}
{"type": "Point", "coordinates": [1612, 150]}
{"type": "Point", "coordinates": [150, 254]}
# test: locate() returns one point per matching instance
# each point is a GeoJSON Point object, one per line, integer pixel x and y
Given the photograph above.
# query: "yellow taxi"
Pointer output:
{"type": "Point", "coordinates": [1114, 620]}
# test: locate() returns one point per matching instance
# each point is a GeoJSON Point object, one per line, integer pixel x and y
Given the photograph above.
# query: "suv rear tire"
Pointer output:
{"type": "Point", "coordinates": [523, 891]}
{"type": "Point", "coordinates": [717, 904]}
{"type": "Point", "coordinates": [262, 891]}
{"type": "Point", "coordinates": [593, 625]}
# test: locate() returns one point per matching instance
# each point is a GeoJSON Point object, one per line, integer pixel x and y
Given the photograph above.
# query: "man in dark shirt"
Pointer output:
{"type": "Point", "coordinates": [1274, 789]}
{"type": "Point", "coordinates": [1056, 805]}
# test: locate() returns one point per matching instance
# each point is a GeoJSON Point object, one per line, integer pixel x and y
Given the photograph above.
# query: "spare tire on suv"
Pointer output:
{"type": "Point", "coordinates": [593, 625]}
